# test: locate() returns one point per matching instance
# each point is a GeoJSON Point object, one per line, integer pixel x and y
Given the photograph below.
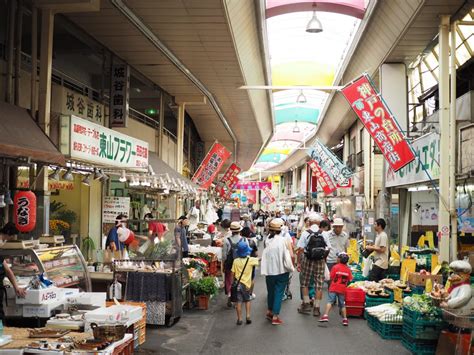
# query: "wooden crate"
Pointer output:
{"type": "Point", "coordinates": [142, 334]}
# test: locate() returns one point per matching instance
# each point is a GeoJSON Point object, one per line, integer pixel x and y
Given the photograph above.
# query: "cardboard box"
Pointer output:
{"type": "Point", "coordinates": [41, 311]}
{"type": "Point", "coordinates": [417, 279]}
{"type": "Point", "coordinates": [41, 296]}
{"type": "Point", "coordinates": [96, 299]}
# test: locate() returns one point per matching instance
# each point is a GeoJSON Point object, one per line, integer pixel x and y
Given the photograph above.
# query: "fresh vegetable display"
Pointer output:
{"type": "Point", "coordinates": [422, 304]}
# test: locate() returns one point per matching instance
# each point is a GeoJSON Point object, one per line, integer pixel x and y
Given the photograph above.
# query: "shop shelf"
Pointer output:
{"type": "Point", "coordinates": [417, 347]}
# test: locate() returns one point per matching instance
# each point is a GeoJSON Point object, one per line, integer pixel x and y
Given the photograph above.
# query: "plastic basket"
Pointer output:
{"type": "Point", "coordinates": [419, 347]}
{"type": "Point", "coordinates": [375, 301]}
{"type": "Point", "coordinates": [419, 318]}
{"type": "Point", "coordinates": [355, 311]}
{"type": "Point", "coordinates": [422, 331]}
{"type": "Point", "coordinates": [371, 321]}
{"type": "Point", "coordinates": [417, 290]}
{"type": "Point", "coordinates": [358, 277]}
{"type": "Point", "coordinates": [389, 330]}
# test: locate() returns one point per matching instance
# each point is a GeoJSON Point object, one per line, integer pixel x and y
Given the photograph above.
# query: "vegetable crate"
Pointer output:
{"type": "Point", "coordinates": [371, 321]}
{"type": "Point", "coordinates": [389, 330]}
{"type": "Point", "coordinates": [418, 318]}
{"type": "Point", "coordinates": [419, 347]}
{"type": "Point", "coordinates": [422, 331]}
{"type": "Point", "coordinates": [371, 301]}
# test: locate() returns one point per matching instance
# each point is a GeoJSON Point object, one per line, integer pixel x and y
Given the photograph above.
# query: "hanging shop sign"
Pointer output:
{"type": "Point", "coordinates": [119, 95]}
{"type": "Point", "coordinates": [97, 144]}
{"type": "Point", "coordinates": [249, 197]}
{"type": "Point", "coordinates": [211, 165]}
{"type": "Point", "coordinates": [69, 102]}
{"type": "Point", "coordinates": [268, 194]}
{"type": "Point", "coordinates": [24, 183]}
{"type": "Point", "coordinates": [324, 180]}
{"type": "Point", "coordinates": [24, 206]}
{"type": "Point", "coordinates": [331, 164]}
{"type": "Point", "coordinates": [253, 185]}
{"type": "Point", "coordinates": [419, 170]}
{"type": "Point", "coordinates": [113, 206]}
{"type": "Point", "coordinates": [228, 181]}
{"type": "Point", "coordinates": [369, 106]}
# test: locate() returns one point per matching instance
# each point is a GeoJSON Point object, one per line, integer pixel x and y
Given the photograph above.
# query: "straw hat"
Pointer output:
{"type": "Point", "coordinates": [235, 227]}
{"type": "Point", "coordinates": [315, 217]}
{"type": "Point", "coordinates": [338, 222]}
{"type": "Point", "coordinates": [276, 224]}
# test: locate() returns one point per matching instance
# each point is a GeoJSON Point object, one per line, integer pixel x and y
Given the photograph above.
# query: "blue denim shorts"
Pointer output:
{"type": "Point", "coordinates": [340, 298]}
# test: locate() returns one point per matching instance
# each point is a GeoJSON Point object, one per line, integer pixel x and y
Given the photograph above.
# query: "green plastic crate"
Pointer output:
{"type": "Point", "coordinates": [358, 277]}
{"type": "Point", "coordinates": [375, 301]}
{"type": "Point", "coordinates": [371, 321]}
{"type": "Point", "coordinates": [419, 318]}
{"type": "Point", "coordinates": [390, 330]}
{"type": "Point", "coordinates": [394, 277]}
{"type": "Point", "coordinates": [419, 347]}
{"type": "Point", "coordinates": [422, 331]}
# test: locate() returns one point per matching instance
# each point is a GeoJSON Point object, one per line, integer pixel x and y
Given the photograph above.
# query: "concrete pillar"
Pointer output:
{"type": "Point", "coordinates": [452, 148]}
{"type": "Point", "coordinates": [46, 53]}
{"type": "Point", "coordinates": [180, 135]}
{"type": "Point", "coordinates": [443, 215]}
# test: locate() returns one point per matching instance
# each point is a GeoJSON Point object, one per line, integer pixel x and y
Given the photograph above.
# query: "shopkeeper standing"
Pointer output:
{"type": "Point", "coordinates": [8, 232]}
{"type": "Point", "coordinates": [113, 243]}
{"type": "Point", "coordinates": [180, 235]}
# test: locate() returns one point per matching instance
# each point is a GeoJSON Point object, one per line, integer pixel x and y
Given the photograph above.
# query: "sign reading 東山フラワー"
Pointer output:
{"type": "Point", "coordinates": [97, 144]}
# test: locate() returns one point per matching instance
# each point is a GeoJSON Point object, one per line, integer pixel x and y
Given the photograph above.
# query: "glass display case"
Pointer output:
{"type": "Point", "coordinates": [64, 266]}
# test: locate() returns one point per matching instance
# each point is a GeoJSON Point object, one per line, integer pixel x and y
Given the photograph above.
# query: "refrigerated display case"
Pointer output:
{"type": "Point", "coordinates": [64, 266]}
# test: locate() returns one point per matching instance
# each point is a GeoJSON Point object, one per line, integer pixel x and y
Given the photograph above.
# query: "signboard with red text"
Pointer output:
{"type": "Point", "coordinates": [324, 180]}
{"type": "Point", "coordinates": [369, 106]}
{"type": "Point", "coordinates": [211, 165]}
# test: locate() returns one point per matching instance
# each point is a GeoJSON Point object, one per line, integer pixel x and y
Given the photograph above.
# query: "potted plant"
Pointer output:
{"type": "Point", "coordinates": [203, 289]}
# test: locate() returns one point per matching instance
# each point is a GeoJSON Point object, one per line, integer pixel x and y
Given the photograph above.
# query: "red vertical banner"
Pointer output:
{"type": "Point", "coordinates": [324, 179]}
{"type": "Point", "coordinates": [369, 106]}
{"type": "Point", "coordinates": [211, 165]}
{"type": "Point", "coordinates": [228, 181]}
{"type": "Point", "coordinates": [268, 194]}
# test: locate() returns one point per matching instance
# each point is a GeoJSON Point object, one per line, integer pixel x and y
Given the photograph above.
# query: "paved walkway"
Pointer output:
{"type": "Point", "coordinates": [215, 332]}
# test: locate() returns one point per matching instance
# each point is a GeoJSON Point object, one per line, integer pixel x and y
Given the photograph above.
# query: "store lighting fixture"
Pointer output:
{"type": "Point", "coordinates": [420, 188]}
{"type": "Point", "coordinates": [67, 176]}
{"type": "Point", "coordinates": [8, 198]}
{"type": "Point", "coordinates": [134, 181]}
{"type": "Point", "coordinates": [151, 171]}
{"type": "Point", "coordinates": [314, 25]}
{"type": "Point", "coordinates": [417, 207]}
{"type": "Point", "coordinates": [166, 191]}
{"type": "Point", "coordinates": [155, 182]}
{"type": "Point", "coordinates": [296, 129]}
{"type": "Point", "coordinates": [123, 177]}
{"type": "Point", "coordinates": [162, 181]}
{"type": "Point", "coordinates": [301, 99]}
{"type": "Point", "coordinates": [55, 175]}
{"type": "Point", "coordinates": [87, 180]}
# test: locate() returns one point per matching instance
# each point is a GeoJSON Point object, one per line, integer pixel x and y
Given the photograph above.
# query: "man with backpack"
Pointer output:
{"type": "Point", "coordinates": [229, 253]}
{"type": "Point", "coordinates": [312, 252]}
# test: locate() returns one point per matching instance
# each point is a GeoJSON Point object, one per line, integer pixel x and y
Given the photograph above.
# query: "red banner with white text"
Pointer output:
{"type": "Point", "coordinates": [369, 106]}
{"type": "Point", "coordinates": [326, 182]}
{"type": "Point", "coordinates": [211, 165]}
{"type": "Point", "coordinates": [269, 195]}
{"type": "Point", "coordinates": [228, 181]}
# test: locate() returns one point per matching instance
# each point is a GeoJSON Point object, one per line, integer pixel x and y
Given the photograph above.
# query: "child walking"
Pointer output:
{"type": "Point", "coordinates": [242, 276]}
{"type": "Point", "coordinates": [340, 275]}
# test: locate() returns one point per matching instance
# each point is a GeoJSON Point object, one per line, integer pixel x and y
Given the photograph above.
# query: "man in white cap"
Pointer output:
{"type": "Point", "coordinates": [338, 240]}
{"type": "Point", "coordinates": [310, 267]}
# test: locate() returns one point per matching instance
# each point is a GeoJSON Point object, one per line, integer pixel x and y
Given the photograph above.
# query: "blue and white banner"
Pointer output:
{"type": "Point", "coordinates": [331, 164]}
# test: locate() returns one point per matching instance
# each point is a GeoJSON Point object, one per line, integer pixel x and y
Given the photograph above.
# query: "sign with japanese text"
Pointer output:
{"type": "Point", "coordinates": [324, 180]}
{"type": "Point", "coordinates": [369, 106]}
{"type": "Point", "coordinates": [269, 195]}
{"type": "Point", "coordinates": [98, 144]}
{"type": "Point", "coordinates": [420, 170]}
{"type": "Point", "coordinates": [228, 181]}
{"type": "Point", "coordinates": [253, 185]}
{"type": "Point", "coordinates": [331, 164]}
{"type": "Point", "coordinates": [24, 183]}
{"type": "Point", "coordinates": [119, 95]}
{"type": "Point", "coordinates": [113, 206]}
{"type": "Point", "coordinates": [211, 165]}
{"type": "Point", "coordinates": [69, 102]}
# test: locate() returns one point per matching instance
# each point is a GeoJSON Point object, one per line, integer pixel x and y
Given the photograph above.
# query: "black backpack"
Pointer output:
{"type": "Point", "coordinates": [317, 247]}
{"type": "Point", "coordinates": [231, 254]}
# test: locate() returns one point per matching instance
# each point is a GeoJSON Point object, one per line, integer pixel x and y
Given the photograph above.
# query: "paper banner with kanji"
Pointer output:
{"type": "Point", "coordinates": [369, 106]}
{"type": "Point", "coordinates": [211, 165]}
{"type": "Point", "coordinates": [324, 180]}
{"type": "Point", "coordinates": [228, 181]}
{"type": "Point", "coordinates": [253, 185]}
{"type": "Point", "coordinates": [331, 164]}
{"type": "Point", "coordinates": [269, 198]}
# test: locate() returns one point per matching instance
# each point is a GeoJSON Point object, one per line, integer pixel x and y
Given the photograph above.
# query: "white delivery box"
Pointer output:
{"type": "Point", "coordinates": [41, 296]}
{"type": "Point", "coordinates": [123, 314]}
{"type": "Point", "coordinates": [96, 299]}
{"type": "Point", "coordinates": [41, 311]}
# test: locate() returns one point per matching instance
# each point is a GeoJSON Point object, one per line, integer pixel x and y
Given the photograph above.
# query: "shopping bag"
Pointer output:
{"type": "Point", "coordinates": [288, 262]}
{"type": "Point", "coordinates": [327, 275]}
{"type": "Point", "coordinates": [367, 266]}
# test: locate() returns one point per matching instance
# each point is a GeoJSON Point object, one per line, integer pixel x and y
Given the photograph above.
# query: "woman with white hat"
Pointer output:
{"type": "Point", "coordinates": [277, 254]}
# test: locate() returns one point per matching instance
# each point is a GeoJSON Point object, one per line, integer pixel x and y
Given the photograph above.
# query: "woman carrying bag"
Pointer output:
{"type": "Point", "coordinates": [277, 263]}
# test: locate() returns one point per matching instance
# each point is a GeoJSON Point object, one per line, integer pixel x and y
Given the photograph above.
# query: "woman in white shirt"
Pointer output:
{"type": "Point", "coordinates": [273, 267]}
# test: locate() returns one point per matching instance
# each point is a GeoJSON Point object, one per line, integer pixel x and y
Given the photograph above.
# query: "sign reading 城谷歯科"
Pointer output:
{"type": "Point", "coordinates": [97, 144]}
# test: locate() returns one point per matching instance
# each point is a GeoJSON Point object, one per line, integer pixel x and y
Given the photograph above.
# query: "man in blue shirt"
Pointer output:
{"type": "Point", "coordinates": [113, 243]}
{"type": "Point", "coordinates": [180, 235]}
